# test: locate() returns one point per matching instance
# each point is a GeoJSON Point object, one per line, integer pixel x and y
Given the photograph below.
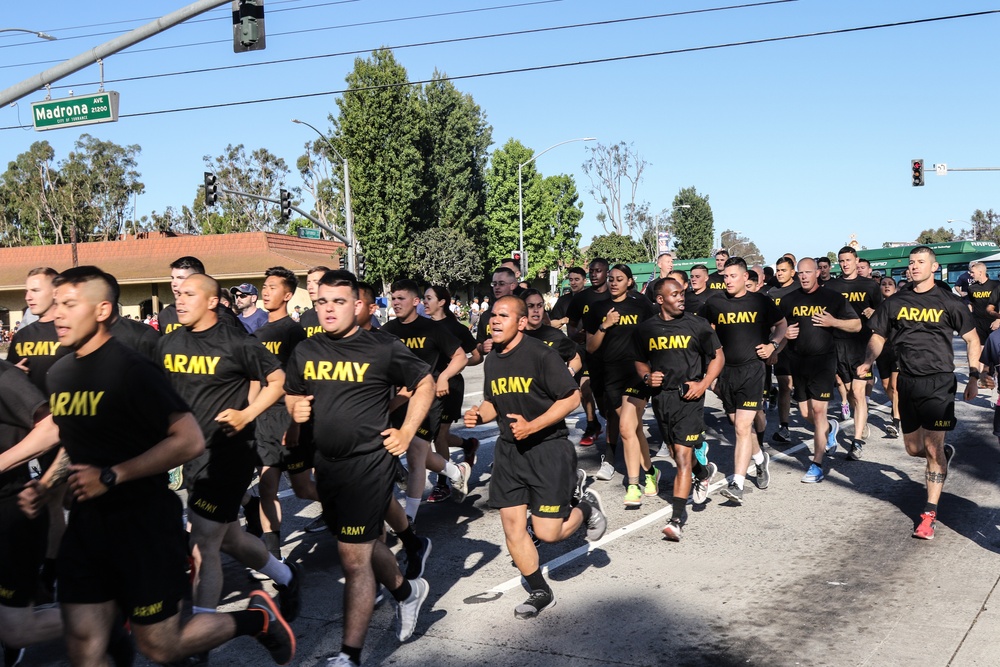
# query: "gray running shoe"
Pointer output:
{"type": "Point", "coordinates": [857, 451]}
{"type": "Point", "coordinates": [891, 431]}
{"type": "Point", "coordinates": [460, 489]}
{"type": "Point", "coordinates": [408, 611]}
{"type": "Point", "coordinates": [764, 472]}
{"type": "Point", "coordinates": [597, 525]}
{"type": "Point", "coordinates": [663, 452]}
{"type": "Point", "coordinates": [416, 560]}
{"type": "Point", "coordinates": [536, 602]}
{"type": "Point", "coordinates": [699, 490]}
{"type": "Point", "coordinates": [672, 531]}
{"type": "Point", "coordinates": [340, 660]}
{"type": "Point", "coordinates": [606, 472]}
{"type": "Point", "coordinates": [782, 435]}
{"type": "Point", "coordinates": [734, 493]}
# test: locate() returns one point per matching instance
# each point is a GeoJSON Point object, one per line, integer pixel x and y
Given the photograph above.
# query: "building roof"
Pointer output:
{"type": "Point", "coordinates": [147, 258]}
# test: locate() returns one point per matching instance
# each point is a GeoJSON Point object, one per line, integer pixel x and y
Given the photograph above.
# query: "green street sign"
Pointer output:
{"type": "Point", "coordinates": [72, 111]}
{"type": "Point", "coordinates": [308, 233]}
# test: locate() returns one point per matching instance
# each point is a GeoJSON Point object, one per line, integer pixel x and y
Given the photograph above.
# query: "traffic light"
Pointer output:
{"type": "Point", "coordinates": [516, 256]}
{"type": "Point", "coordinates": [918, 172]}
{"type": "Point", "coordinates": [286, 205]}
{"type": "Point", "coordinates": [211, 189]}
{"type": "Point", "coordinates": [248, 25]}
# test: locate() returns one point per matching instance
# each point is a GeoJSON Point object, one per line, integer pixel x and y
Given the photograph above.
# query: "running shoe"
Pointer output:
{"type": "Point", "coordinates": [925, 529]}
{"type": "Point", "coordinates": [845, 411]}
{"type": "Point", "coordinates": [469, 448]}
{"type": "Point", "coordinates": [606, 472]}
{"type": "Point", "coordinates": [701, 453]}
{"type": "Point", "coordinates": [699, 490]}
{"type": "Point", "coordinates": [317, 525]}
{"type": "Point", "coordinates": [831, 437]}
{"type": "Point", "coordinates": [949, 454]}
{"type": "Point", "coordinates": [633, 496]}
{"type": "Point", "coordinates": [866, 432]}
{"type": "Point", "coordinates": [813, 475]}
{"type": "Point", "coordinates": [402, 475]}
{"type": "Point", "coordinates": [764, 472]}
{"type": "Point", "coordinates": [416, 560]}
{"type": "Point", "coordinates": [536, 602]}
{"type": "Point", "coordinates": [597, 525]}
{"type": "Point", "coordinates": [891, 431]}
{"type": "Point", "coordinates": [439, 493]}
{"type": "Point", "coordinates": [652, 482]}
{"type": "Point", "coordinates": [663, 452]}
{"type": "Point", "coordinates": [857, 451]}
{"type": "Point", "coordinates": [460, 489]}
{"type": "Point", "coordinates": [590, 434]}
{"type": "Point", "coordinates": [734, 493]}
{"type": "Point", "coordinates": [12, 657]}
{"type": "Point", "coordinates": [581, 485]}
{"type": "Point", "coordinates": [782, 435]}
{"type": "Point", "coordinates": [176, 478]}
{"type": "Point", "coordinates": [290, 595]}
{"type": "Point", "coordinates": [408, 611]}
{"type": "Point", "coordinates": [277, 637]}
{"type": "Point", "coordinates": [340, 660]}
{"type": "Point", "coordinates": [672, 531]}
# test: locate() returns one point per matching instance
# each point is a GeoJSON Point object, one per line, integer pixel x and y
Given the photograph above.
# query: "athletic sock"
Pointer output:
{"type": "Point", "coordinates": [453, 473]}
{"type": "Point", "coordinates": [895, 422]}
{"type": "Point", "coordinates": [698, 469]}
{"type": "Point", "coordinates": [633, 480]}
{"type": "Point", "coordinates": [409, 539]}
{"type": "Point", "coordinates": [278, 572]}
{"type": "Point", "coordinates": [585, 509]}
{"type": "Point", "coordinates": [536, 581]}
{"type": "Point", "coordinates": [412, 505]}
{"type": "Point", "coordinates": [784, 424]}
{"type": "Point", "coordinates": [402, 593]}
{"type": "Point", "coordinates": [250, 622]}
{"type": "Point", "coordinates": [351, 652]}
{"type": "Point", "coordinates": [202, 610]}
{"type": "Point", "coordinates": [758, 458]}
{"type": "Point", "coordinates": [272, 541]}
{"type": "Point", "coordinates": [930, 507]}
{"type": "Point", "coordinates": [760, 438]}
{"type": "Point", "coordinates": [679, 505]}
{"type": "Point", "coordinates": [738, 480]}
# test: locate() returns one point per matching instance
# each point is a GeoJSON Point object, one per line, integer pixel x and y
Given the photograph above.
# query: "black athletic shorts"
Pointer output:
{"type": "Point", "coordinates": [621, 382]}
{"type": "Point", "coordinates": [741, 387]}
{"type": "Point", "coordinates": [541, 477]}
{"type": "Point", "coordinates": [428, 428]}
{"type": "Point", "coordinates": [451, 405]}
{"type": "Point", "coordinates": [784, 365]}
{"type": "Point", "coordinates": [886, 362]}
{"type": "Point", "coordinates": [927, 401]}
{"type": "Point", "coordinates": [850, 354]}
{"type": "Point", "coordinates": [270, 430]}
{"type": "Point", "coordinates": [598, 385]}
{"type": "Point", "coordinates": [22, 551]}
{"type": "Point", "coordinates": [217, 480]}
{"type": "Point", "coordinates": [133, 551]}
{"type": "Point", "coordinates": [814, 377]}
{"type": "Point", "coordinates": [681, 422]}
{"type": "Point", "coordinates": [355, 494]}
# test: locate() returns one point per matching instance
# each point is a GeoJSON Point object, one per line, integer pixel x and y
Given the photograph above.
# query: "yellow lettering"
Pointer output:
{"type": "Point", "coordinates": [312, 331]}
{"type": "Point", "coordinates": [807, 311]}
{"type": "Point", "coordinates": [148, 610]}
{"type": "Point", "coordinates": [202, 504]}
{"type": "Point", "coordinates": [360, 370]}
{"type": "Point", "coordinates": [352, 530]}
{"type": "Point", "coordinates": [551, 509]}
{"type": "Point", "coordinates": [309, 371]}
{"type": "Point", "coordinates": [693, 438]}
{"type": "Point", "coordinates": [172, 328]}
{"type": "Point", "coordinates": [628, 319]}
{"type": "Point", "coordinates": [511, 385]}
{"type": "Point", "coordinates": [273, 346]}
{"type": "Point", "coordinates": [323, 371]}
{"type": "Point", "coordinates": [920, 314]}
{"type": "Point", "coordinates": [415, 343]}
{"type": "Point", "coordinates": [343, 372]}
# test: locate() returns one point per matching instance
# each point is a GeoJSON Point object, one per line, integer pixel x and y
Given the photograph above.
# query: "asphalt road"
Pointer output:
{"type": "Point", "coordinates": [823, 574]}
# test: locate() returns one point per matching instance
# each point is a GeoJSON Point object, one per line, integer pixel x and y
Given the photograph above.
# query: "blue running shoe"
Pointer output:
{"type": "Point", "coordinates": [813, 475]}
{"type": "Point", "coordinates": [701, 453]}
{"type": "Point", "coordinates": [831, 438]}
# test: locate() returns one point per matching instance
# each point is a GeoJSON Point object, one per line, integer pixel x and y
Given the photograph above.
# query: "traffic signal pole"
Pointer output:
{"type": "Point", "coordinates": [333, 232]}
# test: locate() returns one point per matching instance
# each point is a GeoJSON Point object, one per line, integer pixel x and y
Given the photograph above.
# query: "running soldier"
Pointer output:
{"type": "Point", "coordinates": [309, 319]}
{"type": "Point", "coordinates": [579, 308]}
{"type": "Point", "coordinates": [888, 366]}
{"type": "Point", "coordinates": [716, 281]}
{"type": "Point", "coordinates": [920, 322]}
{"type": "Point", "coordinates": [699, 293]}
{"type": "Point", "coordinates": [984, 295]}
{"type": "Point", "coordinates": [784, 274]}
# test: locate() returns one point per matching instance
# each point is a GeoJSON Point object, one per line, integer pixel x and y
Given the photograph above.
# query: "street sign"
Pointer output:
{"type": "Point", "coordinates": [941, 169]}
{"type": "Point", "coordinates": [308, 233]}
{"type": "Point", "coordinates": [73, 111]}
{"type": "Point", "coordinates": [662, 242]}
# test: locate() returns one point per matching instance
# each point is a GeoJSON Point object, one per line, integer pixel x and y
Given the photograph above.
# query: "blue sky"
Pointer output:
{"type": "Point", "coordinates": [798, 144]}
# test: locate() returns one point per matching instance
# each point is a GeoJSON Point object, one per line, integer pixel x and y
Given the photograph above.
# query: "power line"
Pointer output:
{"type": "Point", "coordinates": [540, 68]}
{"type": "Point", "coordinates": [307, 30]}
{"type": "Point", "coordinates": [454, 40]}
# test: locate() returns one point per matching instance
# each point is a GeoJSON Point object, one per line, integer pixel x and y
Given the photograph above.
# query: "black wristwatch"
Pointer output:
{"type": "Point", "coordinates": [645, 379]}
{"type": "Point", "coordinates": [774, 343]}
{"type": "Point", "coordinates": [109, 477]}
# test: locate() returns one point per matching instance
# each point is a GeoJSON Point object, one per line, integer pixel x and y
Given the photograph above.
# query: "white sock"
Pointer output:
{"type": "Point", "coordinates": [738, 480]}
{"type": "Point", "coordinates": [202, 610]}
{"type": "Point", "coordinates": [453, 473]}
{"type": "Point", "coordinates": [412, 505]}
{"type": "Point", "coordinates": [278, 572]}
{"type": "Point", "coordinates": [758, 458]}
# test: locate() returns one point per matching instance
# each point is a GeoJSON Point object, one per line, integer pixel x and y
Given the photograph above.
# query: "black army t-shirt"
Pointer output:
{"type": "Point", "coordinates": [617, 347]}
{"type": "Point", "coordinates": [919, 325]}
{"type": "Point", "coordinates": [280, 338]}
{"type": "Point", "coordinates": [526, 381]}
{"type": "Point", "coordinates": [351, 380]}
{"type": "Point", "coordinates": [779, 292]}
{"type": "Point", "coordinates": [460, 332]}
{"type": "Point", "coordinates": [110, 406]}
{"type": "Point", "coordinates": [561, 307]}
{"type": "Point", "coordinates": [742, 323]}
{"type": "Point", "coordinates": [693, 301]}
{"type": "Point", "coordinates": [861, 294]}
{"type": "Point", "coordinates": [679, 347]}
{"type": "Point", "coordinates": [427, 339]}
{"type": "Point", "coordinates": [583, 302]}
{"type": "Point", "coordinates": [169, 323]}
{"type": "Point", "coordinates": [555, 339]}
{"type": "Point", "coordinates": [212, 370]}
{"type": "Point", "coordinates": [19, 403]}
{"type": "Point", "coordinates": [798, 307]}
{"type": "Point", "coordinates": [135, 335]}
{"type": "Point", "coordinates": [981, 295]}
{"type": "Point", "coordinates": [310, 323]}
{"type": "Point", "coordinates": [38, 345]}
{"type": "Point", "coordinates": [716, 282]}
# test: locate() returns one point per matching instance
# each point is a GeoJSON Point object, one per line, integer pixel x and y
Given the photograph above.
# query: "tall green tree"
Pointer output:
{"type": "Point", "coordinates": [694, 227]}
{"type": "Point", "coordinates": [445, 256]}
{"type": "Point", "coordinates": [502, 202]}
{"type": "Point", "coordinates": [617, 249]}
{"type": "Point", "coordinates": [553, 238]}
{"type": "Point", "coordinates": [377, 129]}
{"type": "Point", "coordinates": [259, 172]}
{"type": "Point", "coordinates": [105, 179]}
{"type": "Point", "coordinates": [939, 235]}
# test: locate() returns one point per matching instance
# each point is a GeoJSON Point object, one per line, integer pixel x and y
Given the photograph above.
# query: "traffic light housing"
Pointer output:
{"type": "Point", "coordinates": [286, 205]}
{"type": "Point", "coordinates": [917, 167]}
{"type": "Point", "coordinates": [516, 256]}
{"type": "Point", "coordinates": [211, 189]}
{"type": "Point", "coordinates": [248, 25]}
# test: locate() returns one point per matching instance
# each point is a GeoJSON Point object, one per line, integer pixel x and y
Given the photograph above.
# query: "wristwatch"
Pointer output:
{"type": "Point", "coordinates": [645, 379]}
{"type": "Point", "coordinates": [602, 328]}
{"type": "Point", "coordinates": [774, 343]}
{"type": "Point", "coordinates": [109, 477]}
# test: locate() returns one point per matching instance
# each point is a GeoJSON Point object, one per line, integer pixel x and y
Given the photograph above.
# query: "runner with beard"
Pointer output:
{"type": "Point", "coordinates": [750, 328]}
{"type": "Point", "coordinates": [672, 357]}
{"type": "Point", "coordinates": [610, 326]}
{"type": "Point", "coordinates": [813, 314]}
{"type": "Point", "coordinates": [527, 390]}
{"type": "Point", "coordinates": [580, 307]}
{"type": "Point", "coordinates": [920, 323]}
{"type": "Point", "coordinates": [784, 274]}
{"type": "Point", "coordinates": [334, 377]}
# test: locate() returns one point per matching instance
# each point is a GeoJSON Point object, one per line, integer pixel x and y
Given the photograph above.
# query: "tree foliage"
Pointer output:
{"type": "Point", "coordinates": [694, 226]}
{"type": "Point", "coordinates": [739, 245]}
{"type": "Point", "coordinates": [617, 249]}
{"type": "Point", "coordinates": [502, 225]}
{"type": "Point", "coordinates": [554, 237]}
{"type": "Point", "coordinates": [985, 226]}
{"type": "Point", "coordinates": [445, 256]}
{"type": "Point", "coordinates": [615, 172]}
{"type": "Point", "coordinates": [939, 235]}
{"type": "Point", "coordinates": [259, 172]}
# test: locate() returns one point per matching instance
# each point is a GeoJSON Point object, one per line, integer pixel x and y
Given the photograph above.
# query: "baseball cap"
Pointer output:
{"type": "Point", "coordinates": [244, 288]}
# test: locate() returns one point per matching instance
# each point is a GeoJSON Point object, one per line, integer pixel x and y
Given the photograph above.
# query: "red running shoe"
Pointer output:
{"type": "Point", "coordinates": [925, 530]}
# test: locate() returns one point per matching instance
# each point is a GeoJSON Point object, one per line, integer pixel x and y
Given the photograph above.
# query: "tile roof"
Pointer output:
{"type": "Point", "coordinates": [146, 259]}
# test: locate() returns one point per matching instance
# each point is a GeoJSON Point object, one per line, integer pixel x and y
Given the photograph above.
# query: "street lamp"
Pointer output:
{"type": "Point", "coordinates": [520, 200]}
{"type": "Point", "coordinates": [348, 212]}
{"type": "Point", "coordinates": [36, 33]}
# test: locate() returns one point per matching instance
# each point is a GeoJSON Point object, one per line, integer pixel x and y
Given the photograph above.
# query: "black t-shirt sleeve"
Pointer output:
{"type": "Point", "coordinates": [774, 314]}
{"type": "Point", "coordinates": [153, 397]}
{"type": "Point", "coordinates": [879, 322]}
{"type": "Point", "coordinates": [465, 339]}
{"type": "Point", "coordinates": [559, 383]}
{"type": "Point", "coordinates": [845, 312]}
{"type": "Point", "coordinates": [561, 307]}
{"type": "Point", "coordinates": [709, 340]}
{"type": "Point", "coordinates": [295, 385]}
{"type": "Point", "coordinates": [962, 319]}
{"type": "Point", "coordinates": [405, 369]}
{"type": "Point", "coordinates": [19, 399]}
